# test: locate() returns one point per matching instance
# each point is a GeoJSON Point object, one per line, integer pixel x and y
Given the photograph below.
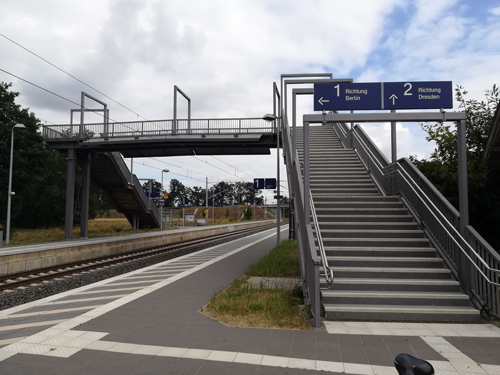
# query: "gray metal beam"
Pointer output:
{"type": "Point", "coordinates": [295, 92]}
{"type": "Point", "coordinates": [84, 203]}
{"type": "Point", "coordinates": [174, 125]}
{"type": "Point", "coordinates": [386, 117]}
{"type": "Point", "coordinates": [70, 194]}
{"type": "Point", "coordinates": [277, 127]}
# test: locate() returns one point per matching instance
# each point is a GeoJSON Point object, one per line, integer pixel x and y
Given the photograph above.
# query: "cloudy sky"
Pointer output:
{"type": "Point", "coordinates": [225, 54]}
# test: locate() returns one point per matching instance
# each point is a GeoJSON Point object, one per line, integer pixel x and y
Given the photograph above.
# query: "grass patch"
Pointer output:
{"type": "Point", "coordinates": [97, 228]}
{"type": "Point", "coordinates": [282, 261]}
{"type": "Point", "coordinates": [244, 305]}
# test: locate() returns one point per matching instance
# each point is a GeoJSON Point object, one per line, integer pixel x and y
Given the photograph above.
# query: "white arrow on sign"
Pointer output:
{"type": "Point", "coordinates": [321, 101]}
{"type": "Point", "coordinates": [393, 97]}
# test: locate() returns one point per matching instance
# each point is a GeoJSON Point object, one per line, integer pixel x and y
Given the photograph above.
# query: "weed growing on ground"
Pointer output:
{"type": "Point", "coordinates": [282, 261]}
{"type": "Point", "coordinates": [244, 305]}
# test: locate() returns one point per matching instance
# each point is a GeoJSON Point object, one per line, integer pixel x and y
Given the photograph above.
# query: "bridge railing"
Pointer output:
{"type": "Point", "coordinates": [470, 258]}
{"type": "Point", "coordinates": [159, 128]}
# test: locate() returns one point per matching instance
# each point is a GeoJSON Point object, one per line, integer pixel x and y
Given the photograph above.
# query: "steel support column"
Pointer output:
{"type": "Point", "coordinates": [465, 276]}
{"type": "Point", "coordinates": [307, 185]}
{"type": "Point", "coordinates": [70, 194]}
{"type": "Point", "coordinates": [277, 126]}
{"type": "Point", "coordinates": [394, 147]}
{"type": "Point", "coordinates": [84, 203]}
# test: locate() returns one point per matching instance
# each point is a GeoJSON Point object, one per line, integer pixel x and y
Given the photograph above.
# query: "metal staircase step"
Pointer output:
{"type": "Point", "coordinates": [388, 262]}
{"type": "Point", "coordinates": [333, 218]}
{"type": "Point", "coordinates": [409, 225]}
{"type": "Point", "coordinates": [389, 298]}
{"type": "Point", "coordinates": [401, 252]}
{"type": "Point", "coordinates": [381, 242]}
{"type": "Point", "coordinates": [382, 284]}
{"type": "Point", "coordinates": [402, 312]}
{"type": "Point", "coordinates": [368, 233]}
{"type": "Point", "coordinates": [364, 211]}
{"type": "Point", "coordinates": [389, 272]}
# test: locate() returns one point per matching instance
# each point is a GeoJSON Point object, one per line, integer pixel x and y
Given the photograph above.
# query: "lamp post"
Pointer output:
{"type": "Point", "coordinates": [272, 117]}
{"type": "Point", "coordinates": [161, 204]}
{"type": "Point", "coordinates": [11, 193]}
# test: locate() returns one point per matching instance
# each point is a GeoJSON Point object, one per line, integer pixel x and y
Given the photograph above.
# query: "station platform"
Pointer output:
{"type": "Point", "coordinates": [149, 322]}
{"type": "Point", "coordinates": [33, 256]}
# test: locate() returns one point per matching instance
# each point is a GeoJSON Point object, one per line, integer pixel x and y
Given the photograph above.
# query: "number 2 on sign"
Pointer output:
{"type": "Point", "coordinates": [407, 92]}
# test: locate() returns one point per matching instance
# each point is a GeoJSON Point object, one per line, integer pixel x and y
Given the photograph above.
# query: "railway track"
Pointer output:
{"type": "Point", "coordinates": [26, 278]}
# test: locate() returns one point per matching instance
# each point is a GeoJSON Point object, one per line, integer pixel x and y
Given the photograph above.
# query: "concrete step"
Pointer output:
{"type": "Point", "coordinates": [347, 191]}
{"type": "Point", "coordinates": [328, 234]}
{"type": "Point", "coordinates": [402, 252]}
{"type": "Point", "coordinates": [381, 284]}
{"type": "Point", "coordinates": [403, 313]}
{"type": "Point", "coordinates": [333, 218]}
{"type": "Point", "coordinates": [367, 225]}
{"type": "Point", "coordinates": [388, 273]}
{"type": "Point", "coordinates": [391, 298]}
{"type": "Point", "coordinates": [357, 198]}
{"type": "Point", "coordinates": [381, 261]}
{"type": "Point", "coordinates": [362, 211]}
{"type": "Point", "coordinates": [376, 242]}
{"type": "Point", "coordinates": [323, 203]}
{"type": "Point", "coordinates": [329, 176]}
{"type": "Point", "coordinates": [335, 181]}
{"type": "Point", "coordinates": [341, 183]}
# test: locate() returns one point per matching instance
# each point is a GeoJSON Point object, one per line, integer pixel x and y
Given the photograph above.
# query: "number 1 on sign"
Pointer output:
{"type": "Point", "coordinates": [338, 89]}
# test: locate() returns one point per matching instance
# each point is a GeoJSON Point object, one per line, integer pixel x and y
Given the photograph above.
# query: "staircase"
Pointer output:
{"type": "Point", "coordinates": [109, 172]}
{"type": "Point", "coordinates": [384, 266]}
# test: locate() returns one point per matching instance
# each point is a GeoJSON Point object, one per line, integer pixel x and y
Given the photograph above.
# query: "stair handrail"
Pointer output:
{"type": "Point", "coordinates": [396, 169]}
{"type": "Point", "coordinates": [136, 185]}
{"type": "Point", "coordinates": [327, 271]}
{"type": "Point", "coordinates": [310, 262]}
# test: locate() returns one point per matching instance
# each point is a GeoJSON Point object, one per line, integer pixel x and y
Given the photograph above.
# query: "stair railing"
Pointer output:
{"type": "Point", "coordinates": [327, 272]}
{"type": "Point", "coordinates": [470, 259]}
{"type": "Point", "coordinates": [136, 185]}
{"type": "Point", "coordinates": [310, 262]}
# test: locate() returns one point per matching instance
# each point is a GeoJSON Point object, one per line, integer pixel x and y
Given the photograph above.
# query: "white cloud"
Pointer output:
{"type": "Point", "coordinates": [495, 11]}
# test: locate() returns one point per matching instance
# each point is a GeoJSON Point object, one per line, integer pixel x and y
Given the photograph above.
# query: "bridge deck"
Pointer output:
{"type": "Point", "coordinates": [166, 137]}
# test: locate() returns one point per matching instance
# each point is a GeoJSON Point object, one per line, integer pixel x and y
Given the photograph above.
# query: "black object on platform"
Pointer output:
{"type": "Point", "coordinates": [409, 365]}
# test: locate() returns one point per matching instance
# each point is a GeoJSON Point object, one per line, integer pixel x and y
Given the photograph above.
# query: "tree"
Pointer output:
{"type": "Point", "coordinates": [248, 213]}
{"type": "Point", "coordinates": [177, 193]}
{"type": "Point", "coordinates": [442, 168]}
{"type": "Point", "coordinates": [39, 174]}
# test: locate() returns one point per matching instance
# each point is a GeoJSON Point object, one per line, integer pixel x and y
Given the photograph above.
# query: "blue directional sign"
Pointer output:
{"type": "Point", "coordinates": [258, 183]}
{"type": "Point", "coordinates": [418, 95]}
{"type": "Point", "coordinates": [383, 95]}
{"type": "Point", "coordinates": [270, 183]}
{"type": "Point", "coordinates": [153, 195]}
{"type": "Point", "coordinates": [345, 96]}
{"type": "Point", "coordinates": [162, 200]}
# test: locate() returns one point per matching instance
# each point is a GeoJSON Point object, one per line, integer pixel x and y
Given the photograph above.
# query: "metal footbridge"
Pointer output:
{"type": "Point", "coordinates": [99, 148]}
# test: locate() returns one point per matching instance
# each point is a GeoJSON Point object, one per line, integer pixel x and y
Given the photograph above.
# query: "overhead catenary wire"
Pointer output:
{"type": "Point", "coordinates": [71, 75]}
{"type": "Point", "coordinates": [70, 101]}
{"type": "Point", "coordinates": [93, 88]}
{"type": "Point", "coordinates": [53, 93]}
{"type": "Point", "coordinates": [100, 92]}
